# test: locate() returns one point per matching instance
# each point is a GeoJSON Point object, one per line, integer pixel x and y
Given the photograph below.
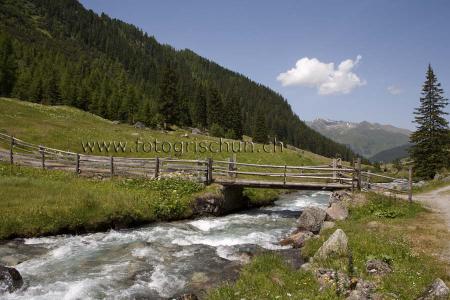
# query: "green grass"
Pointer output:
{"type": "Point", "coordinates": [413, 270]}
{"type": "Point", "coordinates": [430, 185]}
{"type": "Point", "coordinates": [38, 202]}
{"type": "Point", "coordinates": [259, 196]}
{"type": "Point", "coordinates": [35, 202]}
{"type": "Point", "coordinates": [64, 128]}
{"type": "Point", "coordinates": [268, 277]}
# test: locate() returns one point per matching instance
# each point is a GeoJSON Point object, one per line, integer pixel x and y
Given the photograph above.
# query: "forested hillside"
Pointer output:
{"type": "Point", "coordinates": [392, 154]}
{"type": "Point", "coordinates": [57, 52]}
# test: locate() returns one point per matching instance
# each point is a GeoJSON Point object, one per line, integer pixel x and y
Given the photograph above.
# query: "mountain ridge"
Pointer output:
{"type": "Point", "coordinates": [364, 137]}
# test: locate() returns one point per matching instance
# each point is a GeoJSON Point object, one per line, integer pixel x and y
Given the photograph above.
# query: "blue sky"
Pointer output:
{"type": "Point", "coordinates": [385, 45]}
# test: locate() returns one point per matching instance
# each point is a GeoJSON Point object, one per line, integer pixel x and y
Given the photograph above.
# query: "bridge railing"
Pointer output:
{"type": "Point", "coordinates": [204, 170]}
{"type": "Point", "coordinates": [284, 173]}
{"type": "Point", "coordinates": [380, 182]}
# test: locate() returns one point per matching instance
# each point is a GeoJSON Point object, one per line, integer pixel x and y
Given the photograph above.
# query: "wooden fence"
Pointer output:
{"type": "Point", "coordinates": [204, 170]}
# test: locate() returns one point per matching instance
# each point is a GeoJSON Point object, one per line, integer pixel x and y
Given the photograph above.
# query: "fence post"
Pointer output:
{"type": "Point", "coordinates": [358, 167]}
{"type": "Point", "coordinates": [334, 169]}
{"type": "Point", "coordinates": [230, 166]}
{"type": "Point", "coordinates": [111, 159]}
{"type": "Point", "coordinates": [284, 177]}
{"type": "Point", "coordinates": [41, 149]}
{"type": "Point", "coordinates": [353, 175]}
{"type": "Point", "coordinates": [77, 164]}
{"type": "Point", "coordinates": [11, 155]}
{"type": "Point", "coordinates": [209, 175]}
{"type": "Point", "coordinates": [410, 184]}
{"type": "Point", "coordinates": [235, 165]}
{"type": "Point", "coordinates": [339, 166]}
{"type": "Point", "coordinates": [157, 167]}
{"type": "Point", "coordinates": [199, 173]}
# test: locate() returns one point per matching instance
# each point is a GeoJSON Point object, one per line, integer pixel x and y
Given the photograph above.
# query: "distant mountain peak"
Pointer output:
{"type": "Point", "coordinates": [348, 124]}
{"type": "Point", "coordinates": [364, 137]}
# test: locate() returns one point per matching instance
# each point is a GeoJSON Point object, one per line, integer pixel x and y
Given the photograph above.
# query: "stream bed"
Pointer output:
{"type": "Point", "coordinates": [157, 261]}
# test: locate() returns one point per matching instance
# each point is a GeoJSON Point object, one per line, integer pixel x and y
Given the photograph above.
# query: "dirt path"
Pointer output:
{"type": "Point", "coordinates": [438, 201]}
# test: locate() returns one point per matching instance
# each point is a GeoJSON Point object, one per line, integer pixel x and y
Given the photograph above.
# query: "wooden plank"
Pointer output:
{"type": "Point", "coordinates": [379, 175]}
{"type": "Point", "coordinates": [281, 185]}
{"type": "Point", "coordinates": [182, 160]}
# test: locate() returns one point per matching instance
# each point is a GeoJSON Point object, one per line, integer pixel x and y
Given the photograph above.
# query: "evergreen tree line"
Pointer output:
{"type": "Point", "coordinates": [57, 52]}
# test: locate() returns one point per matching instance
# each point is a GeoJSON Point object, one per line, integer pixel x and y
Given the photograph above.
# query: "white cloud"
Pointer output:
{"type": "Point", "coordinates": [323, 76]}
{"type": "Point", "coordinates": [394, 90]}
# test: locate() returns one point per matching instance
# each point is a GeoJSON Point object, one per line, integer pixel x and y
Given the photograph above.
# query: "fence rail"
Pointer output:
{"type": "Point", "coordinates": [206, 170]}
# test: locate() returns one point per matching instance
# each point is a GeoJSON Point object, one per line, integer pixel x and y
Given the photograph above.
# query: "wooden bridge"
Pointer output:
{"type": "Point", "coordinates": [333, 176]}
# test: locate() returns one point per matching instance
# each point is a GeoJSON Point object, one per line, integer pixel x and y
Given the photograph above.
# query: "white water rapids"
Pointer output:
{"type": "Point", "coordinates": [157, 261]}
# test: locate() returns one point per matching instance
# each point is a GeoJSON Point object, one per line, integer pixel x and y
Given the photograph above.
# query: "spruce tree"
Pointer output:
{"type": "Point", "coordinates": [8, 66]}
{"type": "Point", "coordinates": [51, 91]}
{"type": "Point", "coordinates": [168, 106]}
{"type": "Point", "coordinates": [214, 108]}
{"type": "Point", "coordinates": [430, 141]}
{"type": "Point", "coordinates": [233, 119]}
{"type": "Point", "coordinates": [198, 112]}
{"type": "Point", "coordinates": [22, 86]}
{"type": "Point", "coordinates": [260, 132]}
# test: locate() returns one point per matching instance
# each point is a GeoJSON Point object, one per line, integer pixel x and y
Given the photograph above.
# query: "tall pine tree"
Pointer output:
{"type": "Point", "coordinates": [169, 97]}
{"type": "Point", "coordinates": [214, 108]}
{"type": "Point", "coordinates": [260, 132]}
{"type": "Point", "coordinates": [430, 141]}
{"type": "Point", "coordinates": [233, 118]}
{"type": "Point", "coordinates": [8, 66]}
{"type": "Point", "coordinates": [198, 110]}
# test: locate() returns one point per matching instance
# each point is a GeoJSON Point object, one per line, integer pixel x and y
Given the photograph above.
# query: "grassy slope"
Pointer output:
{"type": "Point", "coordinates": [38, 202]}
{"type": "Point", "coordinates": [394, 237]}
{"type": "Point", "coordinates": [64, 128]}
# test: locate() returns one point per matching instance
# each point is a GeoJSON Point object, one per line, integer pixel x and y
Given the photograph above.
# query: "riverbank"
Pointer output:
{"type": "Point", "coordinates": [38, 202]}
{"type": "Point", "coordinates": [161, 260]}
{"type": "Point", "coordinates": [379, 227]}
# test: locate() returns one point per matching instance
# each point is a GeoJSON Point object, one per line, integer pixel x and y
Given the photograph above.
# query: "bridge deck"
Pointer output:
{"type": "Point", "coordinates": [282, 185]}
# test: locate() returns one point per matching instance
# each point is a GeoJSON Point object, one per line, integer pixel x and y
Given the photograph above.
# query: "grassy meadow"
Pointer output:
{"type": "Point", "coordinates": [64, 128]}
{"type": "Point", "coordinates": [386, 228]}
{"type": "Point", "coordinates": [37, 202]}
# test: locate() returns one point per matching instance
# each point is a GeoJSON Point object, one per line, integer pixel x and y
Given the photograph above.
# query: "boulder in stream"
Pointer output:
{"type": "Point", "coordinates": [10, 280]}
{"type": "Point", "coordinates": [311, 219]}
